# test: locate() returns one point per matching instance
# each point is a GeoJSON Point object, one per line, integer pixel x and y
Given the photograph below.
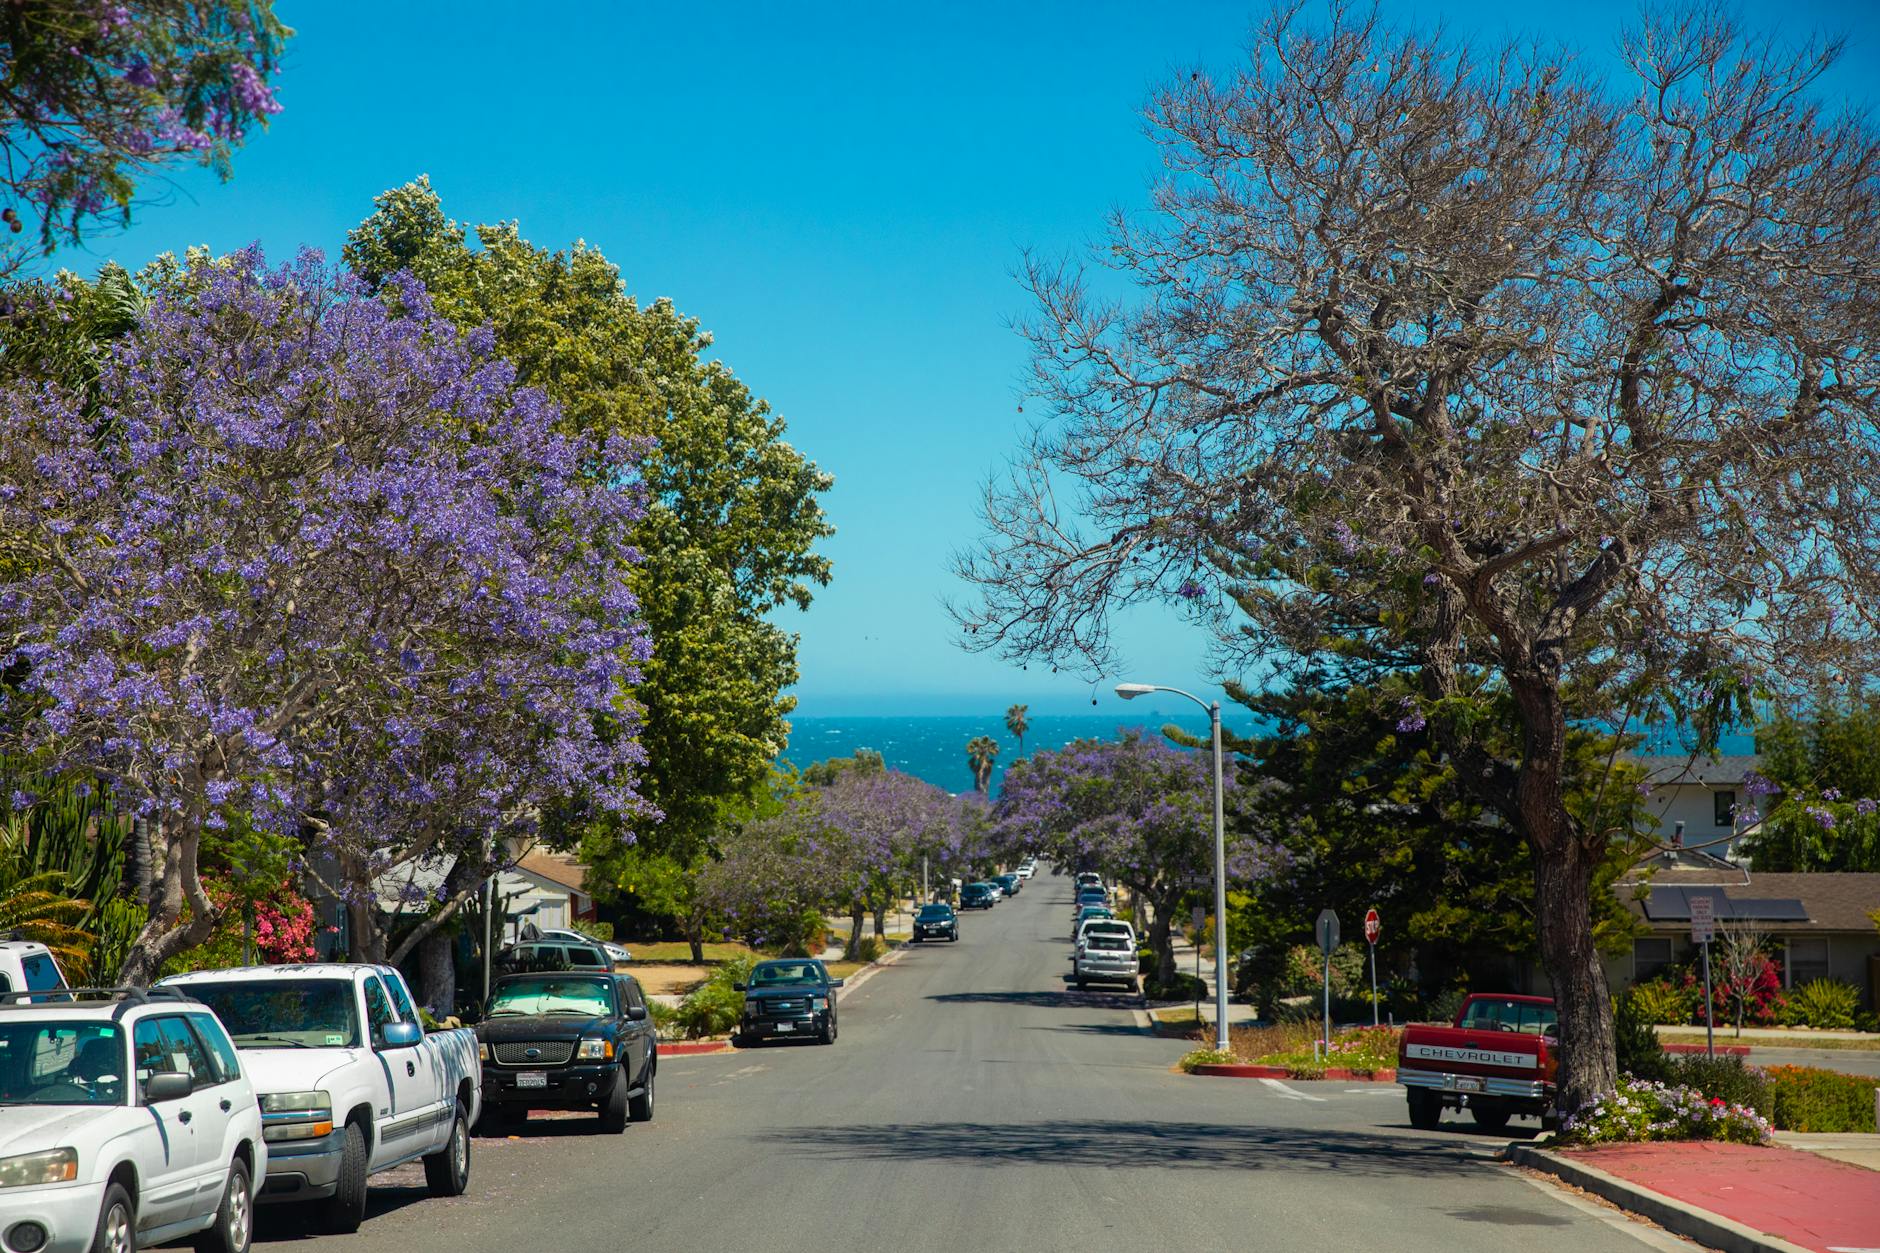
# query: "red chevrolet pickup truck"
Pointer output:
{"type": "Point", "coordinates": [1496, 1061]}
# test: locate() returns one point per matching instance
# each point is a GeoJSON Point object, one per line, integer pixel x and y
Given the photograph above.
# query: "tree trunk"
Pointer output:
{"type": "Point", "coordinates": [437, 973]}
{"type": "Point", "coordinates": [855, 929]}
{"type": "Point", "coordinates": [166, 934]}
{"type": "Point", "coordinates": [1160, 942]}
{"type": "Point", "coordinates": [881, 922]}
{"type": "Point", "coordinates": [694, 930]}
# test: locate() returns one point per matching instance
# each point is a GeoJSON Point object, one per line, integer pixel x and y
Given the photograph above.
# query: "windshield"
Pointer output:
{"type": "Point", "coordinates": [934, 911]}
{"type": "Point", "coordinates": [61, 1063]}
{"type": "Point", "coordinates": [786, 975]}
{"type": "Point", "coordinates": [284, 1013]}
{"type": "Point", "coordinates": [551, 995]}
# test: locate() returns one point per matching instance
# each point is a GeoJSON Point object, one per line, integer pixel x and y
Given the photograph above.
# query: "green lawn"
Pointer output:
{"type": "Point", "coordinates": [680, 952]}
{"type": "Point", "coordinates": [1791, 1040]}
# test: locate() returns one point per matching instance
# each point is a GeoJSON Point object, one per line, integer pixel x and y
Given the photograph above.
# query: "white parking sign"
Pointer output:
{"type": "Point", "coordinates": [1703, 919]}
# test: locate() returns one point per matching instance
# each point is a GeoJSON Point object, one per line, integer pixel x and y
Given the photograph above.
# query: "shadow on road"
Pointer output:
{"type": "Point", "coordinates": [1122, 1145]}
{"type": "Point", "coordinates": [1043, 1000]}
{"type": "Point", "coordinates": [279, 1224]}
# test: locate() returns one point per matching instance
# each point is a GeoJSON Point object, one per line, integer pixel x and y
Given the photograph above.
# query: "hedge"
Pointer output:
{"type": "Point", "coordinates": [1805, 1098]}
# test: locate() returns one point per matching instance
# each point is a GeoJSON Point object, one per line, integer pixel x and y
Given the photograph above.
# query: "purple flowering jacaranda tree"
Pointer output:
{"type": "Point", "coordinates": [876, 823]}
{"type": "Point", "coordinates": [316, 564]}
{"type": "Point", "coordinates": [1134, 809]}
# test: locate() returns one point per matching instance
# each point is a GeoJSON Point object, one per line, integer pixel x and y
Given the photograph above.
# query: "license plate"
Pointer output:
{"type": "Point", "coordinates": [532, 1079]}
{"type": "Point", "coordinates": [1463, 1084]}
{"type": "Point", "coordinates": [786, 1026]}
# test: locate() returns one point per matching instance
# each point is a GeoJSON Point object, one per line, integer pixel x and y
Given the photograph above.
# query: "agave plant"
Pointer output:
{"type": "Point", "coordinates": [36, 908]}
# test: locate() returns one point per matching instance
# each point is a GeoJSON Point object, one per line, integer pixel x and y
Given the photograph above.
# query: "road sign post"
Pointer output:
{"type": "Point", "coordinates": [1703, 930]}
{"type": "Point", "coordinates": [1328, 944]}
{"type": "Point", "coordinates": [1373, 927]}
{"type": "Point", "coordinates": [1199, 917]}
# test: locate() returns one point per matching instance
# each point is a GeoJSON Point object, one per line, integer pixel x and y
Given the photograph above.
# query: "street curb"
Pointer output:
{"type": "Point", "coordinates": [1722, 1050]}
{"type": "Point", "coordinates": [1712, 1230]}
{"type": "Point", "coordinates": [1237, 1070]}
{"type": "Point", "coordinates": [868, 972]}
{"type": "Point", "coordinates": [693, 1048]}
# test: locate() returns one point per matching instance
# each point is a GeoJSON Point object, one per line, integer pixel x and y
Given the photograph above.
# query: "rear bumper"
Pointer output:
{"type": "Point", "coordinates": [568, 1087]}
{"type": "Point", "coordinates": [1538, 1091]}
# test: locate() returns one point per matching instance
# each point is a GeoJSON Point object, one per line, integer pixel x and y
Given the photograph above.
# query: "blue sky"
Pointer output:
{"type": "Point", "coordinates": [839, 192]}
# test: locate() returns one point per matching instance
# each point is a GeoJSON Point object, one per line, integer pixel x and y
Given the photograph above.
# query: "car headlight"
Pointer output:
{"type": "Point", "coordinates": [595, 1050]}
{"type": "Point", "coordinates": [483, 1051]}
{"type": "Point", "coordinates": [296, 1116]}
{"type": "Point", "coordinates": [819, 1002]}
{"type": "Point", "coordinates": [52, 1166]}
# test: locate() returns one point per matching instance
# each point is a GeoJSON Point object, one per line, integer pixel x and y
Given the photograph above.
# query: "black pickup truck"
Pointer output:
{"type": "Point", "coordinates": [567, 1039]}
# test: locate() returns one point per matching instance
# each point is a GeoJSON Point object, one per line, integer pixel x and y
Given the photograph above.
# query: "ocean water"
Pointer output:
{"type": "Point", "coordinates": [933, 747]}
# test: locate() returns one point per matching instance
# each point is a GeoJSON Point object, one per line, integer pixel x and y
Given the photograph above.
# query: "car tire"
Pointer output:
{"type": "Point", "coordinates": [1426, 1108]}
{"type": "Point", "coordinates": [1491, 1117]}
{"type": "Point", "coordinates": [828, 1033]}
{"type": "Point", "coordinates": [234, 1216]}
{"type": "Point", "coordinates": [117, 1223]}
{"type": "Point", "coordinates": [614, 1108]}
{"type": "Point", "coordinates": [346, 1208]}
{"type": "Point", "coordinates": [640, 1108]}
{"type": "Point", "coordinates": [1081, 985]}
{"type": "Point", "coordinates": [447, 1171]}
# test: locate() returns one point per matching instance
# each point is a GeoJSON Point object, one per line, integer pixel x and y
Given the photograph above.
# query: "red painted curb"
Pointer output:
{"type": "Point", "coordinates": [682, 1048]}
{"type": "Point", "coordinates": [1239, 1071]}
{"type": "Point", "coordinates": [1728, 1050]}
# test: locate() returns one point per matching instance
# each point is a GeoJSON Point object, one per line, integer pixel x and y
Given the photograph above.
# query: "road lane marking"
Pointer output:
{"type": "Point", "coordinates": [1290, 1094]}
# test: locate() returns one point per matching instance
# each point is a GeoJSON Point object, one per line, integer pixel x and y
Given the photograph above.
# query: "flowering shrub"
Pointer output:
{"type": "Point", "coordinates": [1206, 1057]}
{"type": "Point", "coordinates": [1643, 1110]}
{"type": "Point", "coordinates": [1365, 1050]}
{"type": "Point", "coordinates": [1806, 1098]}
{"type": "Point", "coordinates": [1759, 990]}
{"type": "Point", "coordinates": [1666, 1002]}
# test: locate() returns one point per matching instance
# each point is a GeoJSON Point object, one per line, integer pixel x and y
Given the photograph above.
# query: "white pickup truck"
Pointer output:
{"type": "Point", "coordinates": [349, 1081]}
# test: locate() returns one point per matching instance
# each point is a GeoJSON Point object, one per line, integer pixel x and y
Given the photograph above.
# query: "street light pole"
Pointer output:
{"type": "Point", "coordinates": [1130, 691]}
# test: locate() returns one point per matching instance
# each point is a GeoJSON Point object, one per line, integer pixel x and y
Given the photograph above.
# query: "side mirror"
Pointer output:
{"type": "Point", "coordinates": [636, 1013]}
{"type": "Point", "coordinates": [167, 1086]}
{"type": "Point", "coordinates": [835, 983]}
{"type": "Point", "coordinates": [737, 987]}
{"type": "Point", "coordinates": [402, 1035]}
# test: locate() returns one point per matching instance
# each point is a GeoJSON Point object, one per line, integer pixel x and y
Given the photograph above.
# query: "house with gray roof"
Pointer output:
{"type": "Point", "coordinates": [1707, 795]}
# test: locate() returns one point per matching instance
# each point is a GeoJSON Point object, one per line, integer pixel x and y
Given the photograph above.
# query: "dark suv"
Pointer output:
{"type": "Point", "coordinates": [568, 1039]}
{"type": "Point", "coordinates": [791, 998]}
{"type": "Point", "coordinates": [976, 896]}
{"type": "Point", "coordinates": [936, 922]}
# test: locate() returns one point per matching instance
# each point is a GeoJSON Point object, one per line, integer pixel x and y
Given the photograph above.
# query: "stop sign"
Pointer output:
{"type": "Point", "coordinates": [1373, 926]}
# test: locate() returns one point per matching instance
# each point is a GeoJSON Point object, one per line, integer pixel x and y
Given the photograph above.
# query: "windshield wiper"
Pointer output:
{"type": "Point", "coordinates": [585, 1013]}
{"type": "Point", "coordinates": [277, 1039]}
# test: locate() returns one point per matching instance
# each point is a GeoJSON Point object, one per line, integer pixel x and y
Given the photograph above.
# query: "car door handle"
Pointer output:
{"type": "Point", "coordinates": [226, 1106]}
{"type": "Point", "coordinates": [411, 1068]}
{"type": "Point", "coordinates": [184, 1116]}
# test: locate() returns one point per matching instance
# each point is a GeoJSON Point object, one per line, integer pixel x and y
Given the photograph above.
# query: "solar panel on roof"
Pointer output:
{"type": "Point", "coordinates": [1673, 904]}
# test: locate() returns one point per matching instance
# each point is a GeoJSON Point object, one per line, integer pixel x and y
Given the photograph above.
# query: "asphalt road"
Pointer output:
{"type": "Point", "coordinates": [974, 1102]}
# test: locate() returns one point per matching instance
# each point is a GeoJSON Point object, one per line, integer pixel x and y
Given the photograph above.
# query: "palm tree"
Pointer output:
{"type": "Point", "coordinates": [1017, 723]}
{"type": "Point", "coordinates": [37, 908]}
{"type": "Point", "coordinates": [980, 752]}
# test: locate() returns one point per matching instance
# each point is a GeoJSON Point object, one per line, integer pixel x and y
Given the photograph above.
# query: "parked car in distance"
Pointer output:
{"type": "Point", "coordinates": [1089, 879]}
{"type": "Point", "coordinates": [1026, 869]}
{"type": "Point", "coordinates": [619, 953]}
{"type": "Point", "coordinates": [578, 954]}
{"type": "Point", "coordinates": [1496, 1060]}
{"type": "Point", "coordinates": [998, 889]}
{"type": "Point", "coordinates": [977, 896]}
{"type": "Point", "coordinates": [936, 922]}
{"type": "Point", "coordinates": [350, 1083]}
{"type": "Point", "coordinates": [1096, 924]}
{"type": "Point", "coordinates": [1089, 897]}
{"type": "Point", "coordinates": [1104, 957]}
{"type": "Point", "coordinates": [1087, 913]}
{"type": "Point", "coordinates": [102, 1090]}
{"type": "Point", "coordinates": [1010, 884]}
{"type": "Point", "coordinates": [790, 998]}
{"type": "Point", "coordinates": [26, 966]}
{"type": "Point", "coordinates": [568, 1040]}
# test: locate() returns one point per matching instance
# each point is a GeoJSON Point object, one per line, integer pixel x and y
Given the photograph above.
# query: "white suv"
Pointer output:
{"type": "Point", "coordinates": [129, 1123]}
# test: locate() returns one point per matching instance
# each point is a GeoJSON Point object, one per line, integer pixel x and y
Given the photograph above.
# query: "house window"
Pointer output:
{"type": "Point", "coordinates": [1650, 957]}
{"type": "Point", "coordinates": [1807, 959]}
{"type": "Point", "coordinates": [1726, 808]}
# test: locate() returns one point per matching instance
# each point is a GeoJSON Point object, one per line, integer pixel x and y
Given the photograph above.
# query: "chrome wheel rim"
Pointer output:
{"type": "Point", "coordinates": [117, 1229]}
{"type": "Point", "coordinates": [238, 1214]}
{"type": "Point", "coordinates": [459, 1150]}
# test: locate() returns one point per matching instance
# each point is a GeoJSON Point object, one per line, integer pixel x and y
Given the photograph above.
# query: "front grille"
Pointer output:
{"type": "Point", "coordinates": [777, 1008]}
{"type": "Point", "coordinates": [534, 1052]}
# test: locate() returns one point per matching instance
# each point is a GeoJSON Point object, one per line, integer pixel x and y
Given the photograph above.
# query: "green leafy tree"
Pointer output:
{"type": "Point", "coordinates": [1820, 785]}
{"type": "Point", "coordinates": [733, 518]}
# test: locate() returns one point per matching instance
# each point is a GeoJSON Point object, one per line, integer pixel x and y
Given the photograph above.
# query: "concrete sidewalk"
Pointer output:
{"type": "Point", "coordinates": [1740, 1198]}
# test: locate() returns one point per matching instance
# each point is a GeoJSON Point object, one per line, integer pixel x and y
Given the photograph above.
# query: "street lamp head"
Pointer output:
{"type": "Point", "coordinates": [1130, 691]}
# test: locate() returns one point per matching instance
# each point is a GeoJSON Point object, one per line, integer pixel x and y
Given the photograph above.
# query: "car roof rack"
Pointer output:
{"type": "Point", "coordinates": [126, 997]}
